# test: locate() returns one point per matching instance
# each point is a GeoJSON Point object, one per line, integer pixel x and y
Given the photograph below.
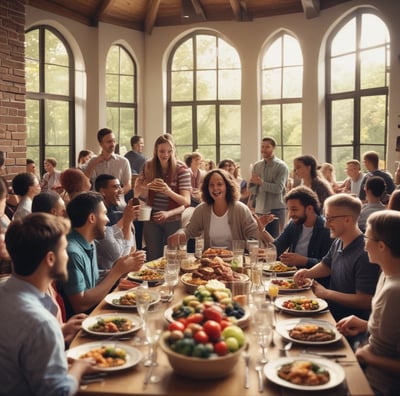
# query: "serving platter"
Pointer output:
{"type": "Point", "coordinates": [336, 373]}
{"type": "Point", "coordinates": [283, 328]}
{"type": "Point", "coordinates": [90, 321]}
{"type": "Point", "coordinates": [133, 355]}
{"type": "Point", "coordinates": [113, 298]}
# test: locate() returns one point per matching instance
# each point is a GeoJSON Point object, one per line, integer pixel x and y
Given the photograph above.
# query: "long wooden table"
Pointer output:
{"type": "Point", "coordinates": [130, 381]}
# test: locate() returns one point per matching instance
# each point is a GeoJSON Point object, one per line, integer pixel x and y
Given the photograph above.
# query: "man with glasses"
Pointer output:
{"type": "Point", "coordinates": [352, 277]}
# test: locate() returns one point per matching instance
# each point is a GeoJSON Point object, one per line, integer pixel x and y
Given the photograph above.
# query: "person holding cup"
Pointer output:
{"type": "Point", "coordinates": [165, 185]}
{"type": "Point", "coordinates": [221, 217]}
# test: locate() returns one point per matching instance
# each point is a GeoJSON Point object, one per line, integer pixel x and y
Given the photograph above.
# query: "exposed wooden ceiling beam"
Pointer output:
{"type": "Point", "coordinates": [151, 15]}
{"type": "Point", "coordinates": [199, 9]}
{"type": "Point", "coordinates": [100, 11]}
{"type": "Point", "coordinates": [311, 8]}
{"type": "Point", "coordinates": [235, 5]}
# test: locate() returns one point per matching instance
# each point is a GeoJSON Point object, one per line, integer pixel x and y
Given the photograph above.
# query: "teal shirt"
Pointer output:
{"type": "Point", "coordinates": [83, 272]}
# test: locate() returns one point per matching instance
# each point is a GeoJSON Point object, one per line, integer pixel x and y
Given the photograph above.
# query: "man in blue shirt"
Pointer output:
{"type": "Point", "coordinates": [88, 216]}
{"type": "Point", "coordinates": [32, 358]}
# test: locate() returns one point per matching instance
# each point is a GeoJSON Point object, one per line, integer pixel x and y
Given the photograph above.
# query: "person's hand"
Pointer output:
{"type": "Point", "coordinates": [160, 217]}
{"type": "Point", "coordinates": [291, 259]}
{"type": "Point", "coordinates": [176, 239]}
{"type": "Point", "coordinates": [351, 325]}
{"type": "Point", "coordinates": [72, 326]}
{"type": "Point", "coordinates": [159, 185]}
{"type": "Point", "coordinates": [131, 262]}
{"type": "Point", "coordinates": [130, 212]}
{"type": "Point", "coordinates": [301, 277]}
{"type": "Point", "coordinates": [255, 179]}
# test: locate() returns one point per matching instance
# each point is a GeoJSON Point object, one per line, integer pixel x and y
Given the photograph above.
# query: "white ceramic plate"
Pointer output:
{"type": "Point", "coordinates": [133, 355]}
{"type": "Point", "coordinates": [92, 320]}
{"type": "Point", "coordinates": [292, 290]}
{"type": "Point", "coordinates": [157, 265]}
{"type": "Point", "coordinates": [139, 277]}
{"type": "Point", "coordinates": [242, 322]}
{"type": "Point", "coordinates": [112, 297]}
{"type": "Point", "coordinates": [280, 300]}
{"type": "Point", "coordinates": [336, 373]}
{"type": "Point", "coordinates": [283, 327]}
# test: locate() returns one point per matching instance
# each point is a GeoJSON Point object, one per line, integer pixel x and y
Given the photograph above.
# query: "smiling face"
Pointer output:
{"type": "Point", "coordinates": [301, 170]}
{"type": "Point", "coordinates": [164, 153]}
{"type": "Point", "coordinates": [112, 192]}
{"type": "Point", "coordinates": [296, 211]}
{"type": "Point", "coordinates": [217, 187]}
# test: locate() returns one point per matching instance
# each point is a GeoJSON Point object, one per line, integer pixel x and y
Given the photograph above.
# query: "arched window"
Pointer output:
{"type": "Point", "coordinates": [282, 91]}
{"type": "Point", "coordinates": [204, 91]}
{"type": "Point", "coordinates": [357, 89]}
{"type": "Point", "coordinates": [50, 97]}
{"type": "Point", "coordinates": [121, 96]}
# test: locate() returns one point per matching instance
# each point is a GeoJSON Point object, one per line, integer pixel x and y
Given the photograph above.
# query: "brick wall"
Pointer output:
{"type": "Point", "coordinates": [12, 84]}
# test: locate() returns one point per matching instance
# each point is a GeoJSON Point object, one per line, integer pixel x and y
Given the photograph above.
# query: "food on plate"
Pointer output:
{"type": "Point", "coordinates": [128, 299]}
{"type": "Point", "coordinates": [158, 264]}
{"type": "Point", "coordinates": [106, 356]}
{"type": "Point", "coordinates": [214, 268]}
{"type": "Point", "coordinates": [111, 325]}
{"type": "Point", "coordinates": [311, 332]}
{"type": "Point", "coordinates": [304, 373]}
{"type": "Point", "coordinates": [288, 284]}
{"type": "Point", "coordinates": [220, 252]}
{"type": "Point", "coordinates": [145, 274]}
{"type": "Point", "coordinates": [280, 267]}
{"type": "Point", "coordinates": [301, 304]}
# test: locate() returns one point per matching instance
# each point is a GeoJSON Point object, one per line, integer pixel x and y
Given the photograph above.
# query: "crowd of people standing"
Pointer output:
{"type": "Point", "coordinates": [88, 236]}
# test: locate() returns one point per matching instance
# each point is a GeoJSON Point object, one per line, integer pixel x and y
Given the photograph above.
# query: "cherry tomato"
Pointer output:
{"type": "Point", "coordinates": [225, 323]}
{"type": "Point", "coordinates": [201, 337]}
{"type": "Point", "coordinates": [182, 320]}
{"type": "Point", "coordinates": [213, 313]}
{"type": "Point", "coordinates": [213, 329]}
{"type": "Point", "coordinates": [176, 325]}
{"type": "Point", "coordinates": [220, 348]}
{"type": "Point", "coordinates": [194, 318]}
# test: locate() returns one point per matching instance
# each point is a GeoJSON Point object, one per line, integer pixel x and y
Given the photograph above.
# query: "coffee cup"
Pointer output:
{"type": "Point", "coordinates": [144, 213]}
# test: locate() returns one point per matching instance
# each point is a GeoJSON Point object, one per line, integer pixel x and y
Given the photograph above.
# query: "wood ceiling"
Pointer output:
{"type": "Point", "coordinates": [144, 15]}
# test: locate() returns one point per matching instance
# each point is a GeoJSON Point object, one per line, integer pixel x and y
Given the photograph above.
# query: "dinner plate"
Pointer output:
{"type": "Point", "coordinates": [280, 300]}
{"type": "Point", "coordinates": [112, 297]}
{"type": "Point", "coordinates": [242, 322]}
{"type": "Point", "coordinates": [291, 290]}
{"type": "Point", "coordinates": [283, 327]}
{"type": "Point", "coordinates": [336, 373]}
{"type": "Point", "coordinates": [157, 265]}
{"type": "Point", "coordinates": [268, 271]}
{"type": "Point", "coordinates": [133, 355]}
{"type": "Point", "coordinates": [92, 320]}
{"type": "Point", "coordinates": [141, 276]}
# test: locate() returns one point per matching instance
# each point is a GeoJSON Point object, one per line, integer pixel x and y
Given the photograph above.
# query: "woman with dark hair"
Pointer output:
{"type": "Point", "coordinates": [305, 168]}
{"type": "Point", "coordinates": [193, 161]}
{"type": "Point", "coordinates": [231, 167]}
{"type": "Point", "coordinates": [84, 157]}
{"type": "Point", "coordinates": [165, 185]}
{"type": "Point", "coordinates": [26, 186]}
{"type": "Point", "coordinates": [221, 216]}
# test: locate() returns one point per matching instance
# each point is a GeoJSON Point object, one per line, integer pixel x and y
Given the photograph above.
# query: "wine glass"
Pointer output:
{"type": "Point", "coordinates": [143, 301]}
{"type": "Point", "coordinates": [171, 277]}
{"type": "Point", "coordinates": [263, 328]}
{"type": "Point", "coordinates": [153, 326]}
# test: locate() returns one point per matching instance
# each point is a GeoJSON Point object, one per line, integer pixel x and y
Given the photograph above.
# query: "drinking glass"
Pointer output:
{"type": "Point", "coordinates": [143, 301]}
{"type": "Point", "coordinates": [270, 253]}
{"type": "Point", "coordinates": [263, 328]}
{"type": "Point", "coordinates": [153, 326]}
{"type": "Point", "coordinates": [171, 278]}
{"type": "Point", "coordinates": [199, 247]}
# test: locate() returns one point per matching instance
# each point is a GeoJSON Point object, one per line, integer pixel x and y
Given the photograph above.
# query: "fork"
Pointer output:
{"type": "Point", "coordinates": [246, 357]}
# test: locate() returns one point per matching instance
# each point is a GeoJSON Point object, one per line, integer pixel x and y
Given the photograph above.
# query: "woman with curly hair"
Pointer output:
{"type": "Point", "coordinates": [305, 168]}
{"type": "Point", "coordinates": [221, 216]}
{"type": "Point", "coordinates": [165, 185]}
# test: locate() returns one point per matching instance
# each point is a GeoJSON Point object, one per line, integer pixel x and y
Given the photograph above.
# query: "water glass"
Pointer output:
{"type": "Point", "coordinates": [270, 253]}
{"type": "Point", "coordinates": [199, 247]}
{"type": "Point", "coordinates": [252, 244]}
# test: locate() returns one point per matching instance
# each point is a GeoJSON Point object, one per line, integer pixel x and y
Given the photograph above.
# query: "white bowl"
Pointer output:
{"type": "Point", "coordinates": [194, 367]}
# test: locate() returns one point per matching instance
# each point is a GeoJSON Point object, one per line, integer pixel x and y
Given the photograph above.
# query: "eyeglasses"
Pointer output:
{"type": "Point", "coordinates": [329, 219]}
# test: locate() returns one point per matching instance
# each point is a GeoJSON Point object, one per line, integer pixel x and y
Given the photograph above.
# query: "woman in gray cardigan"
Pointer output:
{"type": "Point", "coordinates": [221, 217]}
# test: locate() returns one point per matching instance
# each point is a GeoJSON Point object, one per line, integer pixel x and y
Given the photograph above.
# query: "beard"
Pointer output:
{"type": "Point", "coordinates": [300, 220]}
{"type": "Point", "coordinates": [99, 232]}
{"type": "Point", "coordinates": [59, 271]}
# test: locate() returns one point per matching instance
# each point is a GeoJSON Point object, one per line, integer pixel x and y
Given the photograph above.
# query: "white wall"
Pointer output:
{"type": "Point", "coordinates": [151, 52]}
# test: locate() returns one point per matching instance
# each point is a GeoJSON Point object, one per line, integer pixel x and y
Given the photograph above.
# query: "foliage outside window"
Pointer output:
{"type": "Point", "coordinates": [121, 96]}
{"type": "Point", "coordinates": [357, 89]}
{"type": "Point", "coordinates": [204, 91]}
{"type": "Point", "coordinates": [281, 106]}
{"type": "Point", "coordinates": [50, 97]}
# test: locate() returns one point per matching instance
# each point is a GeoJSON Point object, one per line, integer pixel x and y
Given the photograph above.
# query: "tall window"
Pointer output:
{"type": "Point", "coordinates": [357, 89]}
{"type": "Point", "coordinates": [204, 91]}
{"type": "Point", "coordinates": [50, 97]}
{"type": "Point", "coordinates": [121, 95]}
{"type": "Point", "coordinates": [281, 107]}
